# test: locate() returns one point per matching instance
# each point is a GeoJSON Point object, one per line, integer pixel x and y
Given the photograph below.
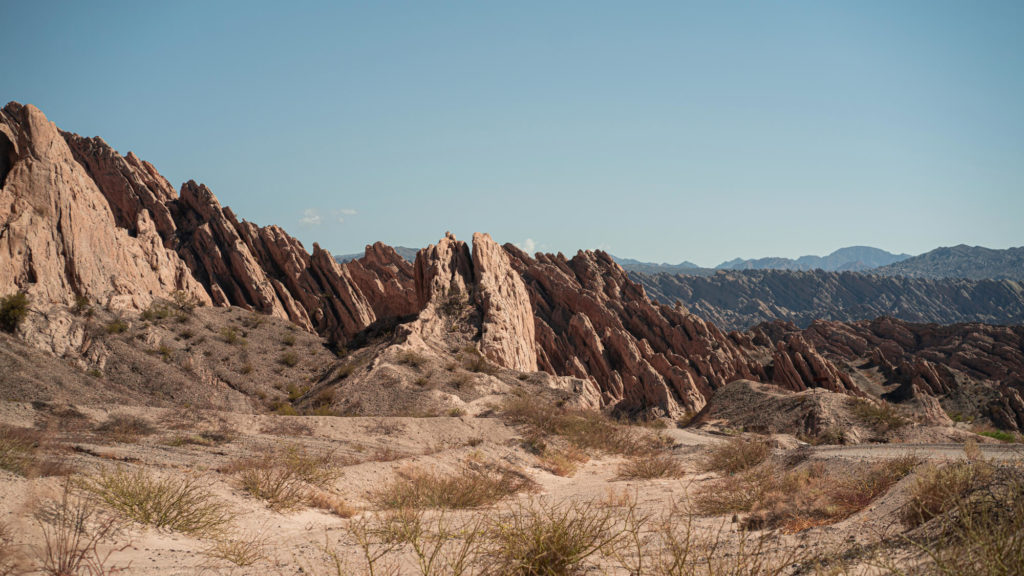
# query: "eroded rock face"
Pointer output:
{"type": "Point", "coordinates": [936, 361]}
{"type": "Point", "coordinates": [507, 332]}
{"type": "Point", "coordinates": [592, 321]}
{"type": "Point", "coordinates": [241, 264]}
{"type": "Point", "coordinates": [59, 237]}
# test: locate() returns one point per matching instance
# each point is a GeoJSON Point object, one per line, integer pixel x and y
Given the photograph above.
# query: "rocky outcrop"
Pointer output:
{"type": "Point", "coordinates": [242, 264]}
{"type": "Point", "coordinates": [932, 361]}
{"type": "Point", "coordinates": [738, 300]}
{"type": "Point", "coordinates": [507, 328]}
{"type": "Point", "coordinates": [592, 321]}
{"type": "Point", "coordinates": [59, 239]}
{"type": "Point", "coordinates": [442, 270]}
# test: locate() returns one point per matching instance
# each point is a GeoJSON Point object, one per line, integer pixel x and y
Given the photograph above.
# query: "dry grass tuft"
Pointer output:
{"type": "Point", "coordinates": [125, 427]}
{"type": "Point", "coordinates": [737, 455]}
{"type": "Point", "coordinates": [28, 452]}
{"type": "Point", "coordinates": [331, 503]}
{"type": "Point", "coordinates": [652, 466]}
{"type": "Point", "coordinates": [18, 448]}
{"type": "Point", "coordinates": [183, 504]}
{"type": "Point", "coordinates": [471, 487]}
{"type": "Point", "coordinates": [287, 480]}
{"type": "Point", "coordinates": [806, 496]}
{"type": "Point", "coordinates": [538, 538]}
{"type": "Point", "coordinates": [242, 551]}
{"type": "Point", "coordinates": [584, 429]}
{"type": "Point", "coordinates": [940, 488]}
{"type": "Point", "coordinates": [881, 417]}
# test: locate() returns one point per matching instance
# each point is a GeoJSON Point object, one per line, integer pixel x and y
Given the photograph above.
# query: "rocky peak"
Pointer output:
{"type": "Point", "coordinates": [507, 331]}
{"type": "Point", "coordinates": [60, 238]}
{"type": "Point", "coordinates": [442, 269]}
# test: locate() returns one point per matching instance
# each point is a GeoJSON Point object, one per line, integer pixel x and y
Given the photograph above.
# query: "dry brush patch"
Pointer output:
{"type": "Point", "coordinates": [980, 529]}
{"type": "Point", "coordinates": [651, 466]}
{"type": "Point", "coordinates": [183, 504]}
{"type": "Point", "coordinates": [31, 453]}
{"type": "Point", "coordinates": [74, 532]}
{"type": "Point", "coordinates": [125, 427]}
{"type": "Point", "coordinates": [811, 494]}
{"type": "Point", "coordinates": [470, 487]}
{"type": "Point", "coordinates": [291, 478]}
{"type": "Point", "coordinates": [736, 455]}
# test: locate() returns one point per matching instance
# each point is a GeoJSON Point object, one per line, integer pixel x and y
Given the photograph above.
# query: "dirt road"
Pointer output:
{"type": "Point", "coordinates": [1004, 452]}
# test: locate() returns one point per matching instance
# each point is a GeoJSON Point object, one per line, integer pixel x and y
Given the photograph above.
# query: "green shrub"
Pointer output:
{"type": "Point", "coordinates": [13, 310]}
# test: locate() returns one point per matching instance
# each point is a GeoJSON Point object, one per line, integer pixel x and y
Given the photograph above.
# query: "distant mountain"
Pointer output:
{"type": "Point", "coordinates": [975, 262]}
{"type": "Point", "coordinates": [631, 265]}
{"type": "Point", "coordinates": [409, 254]}
{"type": "Point", "coordinates": [740, 299]}
{"type": "Point", "coordinates": [852, 258]}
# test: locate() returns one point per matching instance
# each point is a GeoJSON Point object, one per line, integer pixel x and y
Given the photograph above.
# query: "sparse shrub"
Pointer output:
{"type": "Point", "coordinates": [289, 359]}
{"type": "Point", "coordinates": [286, 480]}
{"type": "Point", "coordinates": [13, 310]}
{"type": "Point", "coordinates": [287, 427]}
{"type": "Point", "coordinates": [116, 326]}
{"type": "Point", "coordinates": [181, 504]}
{"type": "Point", "coordinates": [1001, 435]}
{"type": "Point", "coordinates": [881, 417]}
{"type": "Point", "coordinates": [288, 339]}
{"type": "Point", "coordinates": [241, 551]}
{"type": "Point", "coordinates": [73, 530]}
{"type": "Point", "coordinates": [279, 487]}
{"type": "Point", "coordinates": [940, 488]}
{"type": "Point", "coordinates": [651, 466]}
{"type": "Point", "coordinates": [156, 311]}
{"type": "Point", "coordinates": [253, 320]}
{"type": "Point", "coordinates": [125, 427]}
{"type": "Point", "coordinates": [738, 492]}
{"type": "Point", "coordinates": [980, 531]}
{"type": "Point", "coordinates": [184, 302]}
{"type": "Point", "coordinates": [561, 461]}
{"type": "Point", "coordinates": [454, 303]}
{"type": "Point", "coordinates": [470, 487]}
{"type": "Point", "coordinates": [205, 438]}
{"type": "Point", "coordinates": [231, 335]}
{"type": "Point", "coordinates": [582, 429]}
{"type": "Point", "coordinates": [285, 409]}
{"type": "Point", "coordinates": [412, 359]}
{"type": "Point", "coordinates": [539, 538]}
{"type": "Point", "coordinates": [82, 307]}
{"type": "Point", "coordinates": [456, 412]}
{"type": "Point", "coordinates": [331, 503]}
{"type": "Point", "coordinates": [736, 455]}
{"type": "Point", "coordinates": [18, 449]}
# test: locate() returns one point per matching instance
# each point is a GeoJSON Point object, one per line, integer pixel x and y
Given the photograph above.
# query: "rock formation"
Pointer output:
{"type": "Point", "coordinates": [79, 220]}
{"type": "Point", "coordinates": [593, 321]}
{"type": "Point", "coordinates": [59, 239]}
{"type": "Point", "coordinates": [507, 330]}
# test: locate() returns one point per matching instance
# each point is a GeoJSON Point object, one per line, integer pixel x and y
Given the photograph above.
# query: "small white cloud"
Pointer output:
{"type": "Point", "coordinates": [339, 215]}
{"type": "Point", "coordinates": [310, 217]}
{"type": "Point", "coordinates": [528, 246]}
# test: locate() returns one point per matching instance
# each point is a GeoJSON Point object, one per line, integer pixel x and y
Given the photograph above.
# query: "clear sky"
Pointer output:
{"type": "Point", "coordinates": [660, 131]}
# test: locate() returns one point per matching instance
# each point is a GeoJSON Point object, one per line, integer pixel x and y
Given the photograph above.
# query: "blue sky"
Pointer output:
{"type": "Point", "coordinates": [656, 130]}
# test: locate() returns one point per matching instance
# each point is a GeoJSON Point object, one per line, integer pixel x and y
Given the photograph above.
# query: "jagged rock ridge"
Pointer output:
{"type": "Point", "coordinates": [79, 220]}
{"type": "Point", "coordinates": [741, 299]}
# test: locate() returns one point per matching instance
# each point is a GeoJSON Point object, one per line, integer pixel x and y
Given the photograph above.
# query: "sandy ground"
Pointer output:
{"type": "Point", "coordinates": [370, 452]}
